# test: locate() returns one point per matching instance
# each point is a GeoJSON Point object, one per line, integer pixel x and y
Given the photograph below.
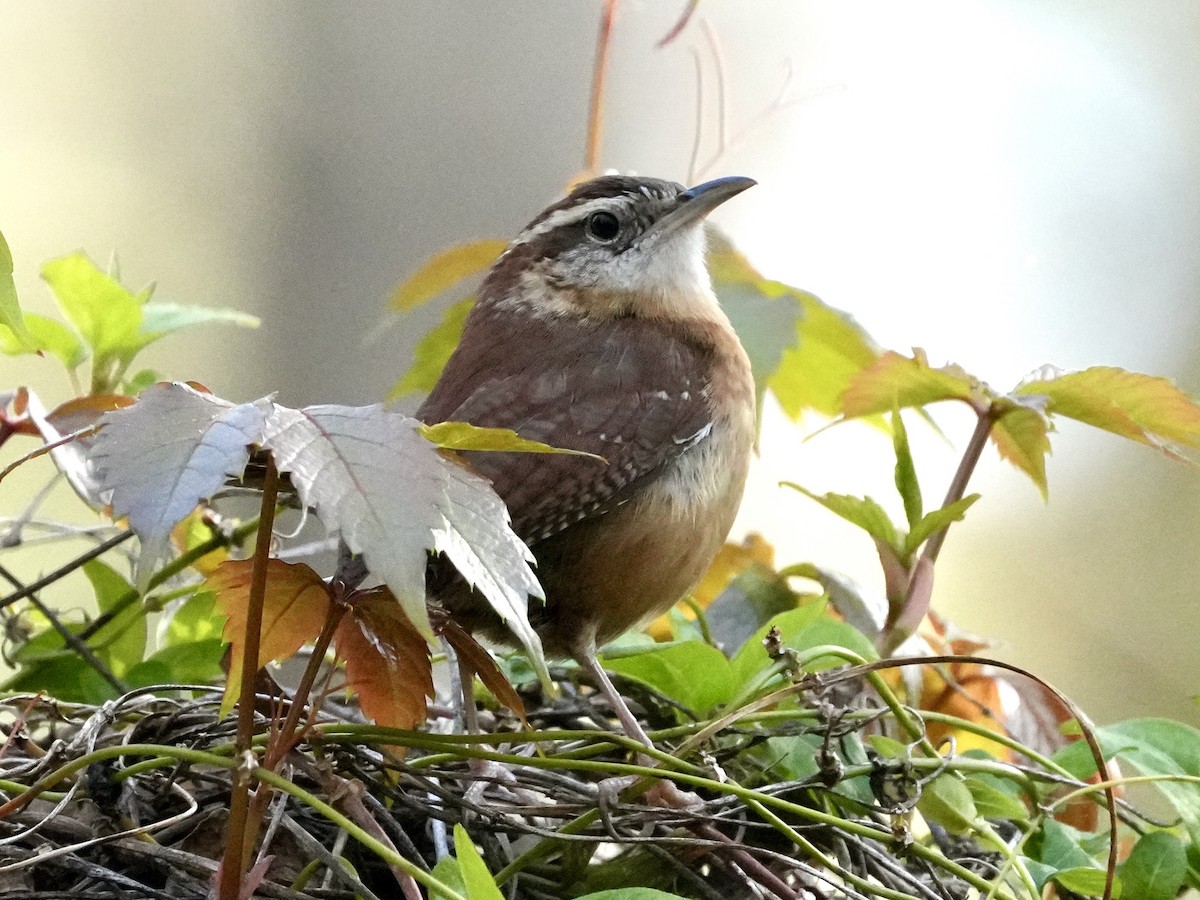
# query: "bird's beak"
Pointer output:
{"type": "Point", "coordinates": [697, 202]}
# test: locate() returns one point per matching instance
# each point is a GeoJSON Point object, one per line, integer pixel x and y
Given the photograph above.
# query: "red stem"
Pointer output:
{"type": "Point", "coordinates": [236, 851]}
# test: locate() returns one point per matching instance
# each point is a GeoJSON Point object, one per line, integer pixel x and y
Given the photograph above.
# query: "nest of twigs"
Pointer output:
{"type": "Point", "coordinates": [133, 801]}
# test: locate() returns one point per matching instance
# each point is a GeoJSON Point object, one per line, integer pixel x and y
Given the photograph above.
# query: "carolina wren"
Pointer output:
{"type": "Point", "coordinates": [598, 330]}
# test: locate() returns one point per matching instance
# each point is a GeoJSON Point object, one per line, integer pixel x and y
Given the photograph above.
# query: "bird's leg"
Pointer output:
{"type": "Point", "coordinates": [664, 792]}
{"type": "Point", "coordinates": [629, 722]}
{"type": "Point", "coordinates": [483, 771]}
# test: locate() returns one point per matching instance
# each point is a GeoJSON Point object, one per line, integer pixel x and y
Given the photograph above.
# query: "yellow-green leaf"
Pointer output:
{"type": "Point", "coordinates": [801, 349]}
{"type": "Point", "coordinates": [478, 881]}
{"type": "Point", "coordinates": [1140, 407]}
{"type": "Point", "coordinates": [10, 309]}
{"type": "Point", "coordinates": [105, 313]}
{"type": "Point", "coordinates": [442, 271]}
{"type": "Point", "coordinates": [48, 335]}
{"type": "Point", "coordinates": [895, 381]}
{"type": "Point", "coordinates": [833, 349]}
{"type": "Point", "coordinates": [432, 351]}
{"type": "Point", "coordinates": [1021, 437]}
{"type": "Point", "coordinates": [463, 436]}
{"type": "Point", "coordinates": [861, 511]}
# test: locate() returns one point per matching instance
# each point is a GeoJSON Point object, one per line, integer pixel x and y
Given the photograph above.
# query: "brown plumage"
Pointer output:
{"type": "Point", "coordinates": [597, 330]}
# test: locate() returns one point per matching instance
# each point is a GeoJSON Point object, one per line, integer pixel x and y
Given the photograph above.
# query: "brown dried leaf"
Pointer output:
{"type": "Point", "coordinates": [479, 661]}
{"type": "Point", "coordinates": [295, 607]}
{"type": "Point", "coordinates": [387, 661]}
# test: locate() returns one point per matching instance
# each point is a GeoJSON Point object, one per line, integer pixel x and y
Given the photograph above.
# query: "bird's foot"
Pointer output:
{"type": "Point", "coordinates": [662, 791]}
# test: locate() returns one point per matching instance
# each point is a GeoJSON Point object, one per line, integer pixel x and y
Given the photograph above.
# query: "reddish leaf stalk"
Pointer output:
{"type": "Point", "coordinates": [966, 468]}
{"type": "Point", "coordinates": [289, 734]}
{"type": "Point", "coordinates": [595, 129]}
{"type": "Point", "coordinates": [236, 851]}
{"type": "Point", "coordinates": [905, 619]}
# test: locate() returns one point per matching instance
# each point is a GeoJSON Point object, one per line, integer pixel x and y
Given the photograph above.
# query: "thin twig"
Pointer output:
{"type": "Point", "coordinates": [65, 569]}
{"type": "Point", "coordinates": [595, 125]}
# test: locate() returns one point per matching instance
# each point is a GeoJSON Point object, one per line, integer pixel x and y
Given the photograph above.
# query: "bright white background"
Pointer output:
{"type": "Point", "coordinates": [1005, 184]}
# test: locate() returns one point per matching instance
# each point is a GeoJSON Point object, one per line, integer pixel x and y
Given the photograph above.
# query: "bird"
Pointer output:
{"type": "Point", "coordinates": [598, 330]}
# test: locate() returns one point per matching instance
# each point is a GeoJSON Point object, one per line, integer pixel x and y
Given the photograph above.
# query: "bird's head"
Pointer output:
{"type": "Point", "coordinates": [615, 246]}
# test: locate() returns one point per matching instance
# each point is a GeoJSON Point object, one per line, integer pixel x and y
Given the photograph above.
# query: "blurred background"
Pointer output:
{"type": "Point", "coordinates": [1005, 183]}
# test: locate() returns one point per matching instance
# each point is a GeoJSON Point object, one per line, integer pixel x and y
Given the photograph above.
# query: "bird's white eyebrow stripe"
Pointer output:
{"type": "Point", "coordinates": [566, 216]}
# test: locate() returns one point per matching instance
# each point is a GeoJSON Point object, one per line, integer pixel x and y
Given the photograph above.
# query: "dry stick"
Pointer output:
{"type": "Point", "coordinates": [239, 803]}
{"type": "Point", "coordinates": [45, 581]}
{"type": "Point", "coordinates": [591, 160]}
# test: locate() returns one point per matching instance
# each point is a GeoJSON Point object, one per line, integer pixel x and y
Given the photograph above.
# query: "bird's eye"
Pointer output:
{"type": "Point", "coordinates": [603, 226]}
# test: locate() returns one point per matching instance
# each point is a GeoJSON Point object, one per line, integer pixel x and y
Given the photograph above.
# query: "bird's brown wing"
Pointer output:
{"type": "Point", "coordinates": [628, 391]}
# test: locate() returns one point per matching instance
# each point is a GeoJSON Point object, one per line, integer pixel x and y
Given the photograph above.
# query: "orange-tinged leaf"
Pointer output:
{"type": "Point", "coordinates": [295, 607]}
{"type": "Point", "coordinates": [1020, 435]}
{"type": "Point", "coordinates": [479, 661]}
{"type": "Point", "coordinates": [1140, 407]}
{"type": "Point", "coordinates": [442, 271]}
{"type": "Point", "coordinates": [387, 661]}
{"type": "Point", "coordinates": [895, 381]}
{"type": "Point", "coordinates": [731, 560]}
{"type": "Point", "coordinates": [82, 412]}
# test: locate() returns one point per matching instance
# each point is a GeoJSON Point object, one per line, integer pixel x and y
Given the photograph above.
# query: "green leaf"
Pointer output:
{"type": "Point", "coordinates": [692, 673]}
{"type": "Point", "coordinates": [1021, 437]}
{"type": "Point", "coordinates": [463, 436]}
{"type": "Point", "coordinates": [10, 307]}
{"type": "Point", "coordinates": [190, 662]}
{"type": "Point", "coordinates": [936, 521]}
{"type": "Point", "coordinates": [895, 382]}
{"type": "Point", "coordinates": [1155, 747]}
{"type": "Point", "coordinates": [65, 676]}
{"type": "Point", "coordinates": [140, 381]}
{"type": "Point", "coordinates": [105, 313]}
{"type": "Point", "coordinates": [1140, 407]}
{"type": "Point", "coordinates": [1059, 846]}
{"type": "Point", "coordinates": [747, 603]}
{"type": "Point", "coordinates": [195, 619]}
{"type": "Point", "coordinates": [790, 758]}
{"type": "Point", "coordinates": [444, 270]}
{"type": "Point", "coordinates": [1087, 881]}
{"type": "Point", "coordinates": [48, 335]}
{"type": "Point", "coordinates": [861, 511]}
{"type": "Point", "coordinates": [799, 629]}
{"type": "Point", "coordinates": [992, 802]}
{"type": "Point", "coordinates": [160, 319]}
{"type": "Point", "coordinates": [449, 872]}
{"type": "Point", "coordinates": [947, 801]}
{"type": "Point", "coordinates": [121, 642]}
{"type": "Point", "coordinates": [767, 326]}
{"type": "Point", "coordinates": [432, 351]}
{"type": "Point", "coordinates": [1155, 868]}
{"type": "Point", "coordinates": [906, 472]}
{"type": "Point", "coordinates": [476, 878]}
